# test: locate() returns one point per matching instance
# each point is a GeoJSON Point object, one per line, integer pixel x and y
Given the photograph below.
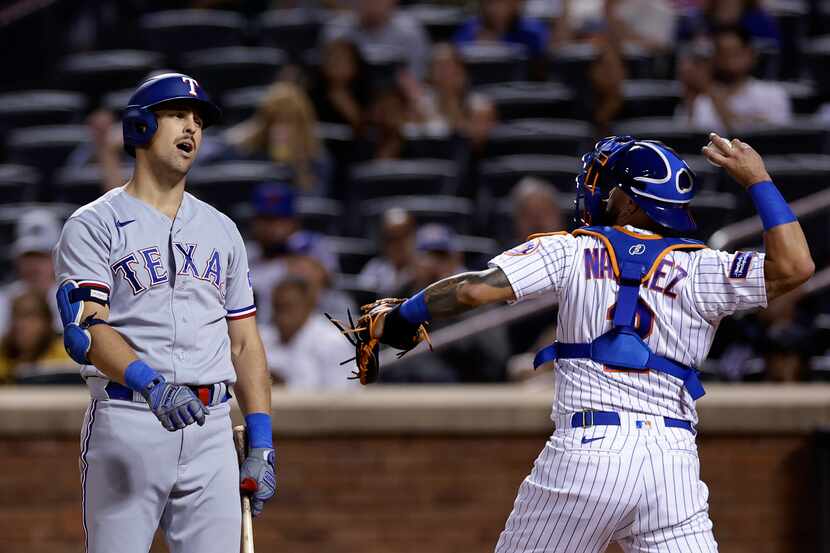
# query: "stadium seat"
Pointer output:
{"type": "Point", "coordinates": [714, 210]}
{"type": "Point", "coordinates": [569, 63]}
{"type": "Point", "coordinates": [99, 72]}
{"type": "Point", "coordinates": [349, 283]}
{"type": "Point", "coordinates": [478, 251]}
{"type": "Point", "coordinates": [674, 133]}
{"type": "Point", "coordinates": [803, 96]}
{"type": "Point", "coordinates": [440, 22]}
{"type": "Point", "coordinates": [29, 108]}
{"type": "Point", "coordinates": [117, 100]}
{"type": "Point", "coordinates": [709, 177]}
{"type": "Point", "coordinates": [18, 183]}
{"type": "Point", "coordinates": [650, 98]}
{"type": "Point", "coordinates": [452, 211]}
{"type": "Point", "coordinates": [798, 175]}
{"type": "Point", "coordinates": [524, 100]}
{"type": "Point", "coordinates": [489, 63]}
{"type": "Point", "coordinates": [499, 175]}
{"type": "Point", "coordinates": [539, 136]}
{"type": "Point", "coordinates": [45, 146]}
{"type": "Point", "coordinates": [792, 19]}
{"type": "Point", "coordinates": [81, 185]}
{"type": "Point", "coordinates": [231, 182]}
{"type": "Point", "coordinates": [322, 215]}
{"type": "Point", "coordinates": [352, 253]}
{"type": "Point", "coordinates": [396, 177]}
{"type": "Point", "coordinates": [10, 215]}
{"type": "Point", "coordinates": [177, 32]}
{"type": "Point", "coordinates": [817, 55]}
{"type": "Point", "coordinates": [440, 145]}
{"type": "Point", "coordinates": [803, 136]}
{"type": "Point", "coordinates": [295, 31]}
{"type": "Point", "coordinates": [241, 103]}
{"type": "Point", "coordinates": [223, 69]}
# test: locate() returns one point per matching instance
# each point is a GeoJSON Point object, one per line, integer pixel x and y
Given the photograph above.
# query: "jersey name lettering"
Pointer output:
{"type": "Point", "coordinates": [667, 275]}
{"type": "Point", "coordinates": [156, 273]}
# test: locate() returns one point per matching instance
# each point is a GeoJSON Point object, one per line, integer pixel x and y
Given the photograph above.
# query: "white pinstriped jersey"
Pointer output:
{"type": "Point", "coordinates": [688, 294]}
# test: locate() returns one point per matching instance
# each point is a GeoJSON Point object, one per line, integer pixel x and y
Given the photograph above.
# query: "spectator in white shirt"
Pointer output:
{"type": "Point", "coordinates": [303, 349]}
{"type": "Point", "coordinates": [721, 94]}
{"type": "Point", "coordinates": [390, 272]}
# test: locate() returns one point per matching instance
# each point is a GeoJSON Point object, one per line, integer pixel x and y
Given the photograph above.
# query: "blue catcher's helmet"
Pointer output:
{"type": "Point", "coordinates": [139, 122]}
{"type": "Point", "coordinates": [650, 172]}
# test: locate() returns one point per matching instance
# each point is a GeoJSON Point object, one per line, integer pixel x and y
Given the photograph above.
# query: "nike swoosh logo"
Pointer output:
{"type": "Point", "coordinates": [589, 440]}
{"type": "Point", "coordinates": [124, 223]}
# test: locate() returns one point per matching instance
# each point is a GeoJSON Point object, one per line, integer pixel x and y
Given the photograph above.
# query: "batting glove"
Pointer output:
{"type": "Point", "coordinates": [175, 406]}
{"type": "Point", "coordinates": [257, 477]}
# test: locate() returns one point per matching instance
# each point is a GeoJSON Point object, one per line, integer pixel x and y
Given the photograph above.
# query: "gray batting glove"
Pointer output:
{"type": "Point", "coordinates": [257, 477]}
{"type": "Point", "coordinates": [175, 406]}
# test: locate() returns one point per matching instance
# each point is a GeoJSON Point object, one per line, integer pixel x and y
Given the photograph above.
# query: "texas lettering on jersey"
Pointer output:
{"type": "Point", "coordinates": [155, 274]}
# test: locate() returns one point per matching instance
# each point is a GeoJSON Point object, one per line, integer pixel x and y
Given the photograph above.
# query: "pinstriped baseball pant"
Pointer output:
{"type": "Point", "coordinates": [639, 487]}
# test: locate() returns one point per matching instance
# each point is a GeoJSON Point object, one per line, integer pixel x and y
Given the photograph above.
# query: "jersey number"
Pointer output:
{"type": "Point", "coordinates": [643, 325]}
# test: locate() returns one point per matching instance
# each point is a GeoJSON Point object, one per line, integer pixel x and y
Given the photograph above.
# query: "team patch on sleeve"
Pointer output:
{"type": "Point", "coordinates": [234, 314]}
{"type": "Point", "coordinates": [524, 249]}
{"type": "Point", "coordinates": [741, 265]}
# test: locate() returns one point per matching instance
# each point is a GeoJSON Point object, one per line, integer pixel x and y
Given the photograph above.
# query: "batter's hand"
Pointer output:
{"type": "Point", "coordinates": [740, 160]}
{"type": "Point", "coordinates": [175, 406]}
{"type": "Point", "coordinates": [257, 477]}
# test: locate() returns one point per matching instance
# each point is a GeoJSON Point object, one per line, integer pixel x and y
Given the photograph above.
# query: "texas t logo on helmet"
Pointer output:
{"type": "Point", "coordinates": [649, 172]}
{"type": "Point", "coordinates": [139, 122]}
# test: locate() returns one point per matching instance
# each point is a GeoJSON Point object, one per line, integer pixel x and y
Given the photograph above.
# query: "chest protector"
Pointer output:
{"type": "Point", "coordinates": [634, 259]}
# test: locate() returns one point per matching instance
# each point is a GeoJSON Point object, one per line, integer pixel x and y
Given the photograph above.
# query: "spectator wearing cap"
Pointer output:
{"type": "Point", "coordinates": [390, 271]}
{"type": "Point", "coordinates": [37, 232]}
{"type": "Point", "coordinates": [721, 94]}
{"type": "Point", "coordinates": [380, 25]}
{"type": "Point", "coordinates": [480, 357]}
{"type": "Point", "coordinates": [303, 349]}
{"type": "Point", "coordinates": [277, 233]}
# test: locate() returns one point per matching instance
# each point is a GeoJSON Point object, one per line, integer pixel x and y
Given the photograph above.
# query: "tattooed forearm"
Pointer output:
{"type": "Point", "coordinates": [460, 293]}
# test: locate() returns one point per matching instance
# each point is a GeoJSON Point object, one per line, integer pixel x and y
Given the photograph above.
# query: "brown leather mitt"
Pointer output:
{"type": "Point", "coordinates": [366, 336]}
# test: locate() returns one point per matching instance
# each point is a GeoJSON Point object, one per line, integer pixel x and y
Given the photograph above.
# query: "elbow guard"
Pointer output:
{"type": "Point", "coordinates": [76, 336]}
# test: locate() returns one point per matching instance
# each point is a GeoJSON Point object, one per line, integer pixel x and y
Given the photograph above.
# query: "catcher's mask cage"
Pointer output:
{"type": "Point", "coordinates": [139, 123]}
{"type": "Point", "coordinates": [648, 171]}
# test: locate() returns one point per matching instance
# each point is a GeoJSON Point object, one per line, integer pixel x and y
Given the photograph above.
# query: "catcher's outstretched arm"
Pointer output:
{"type": "Point", "coordinates": [456, 294]}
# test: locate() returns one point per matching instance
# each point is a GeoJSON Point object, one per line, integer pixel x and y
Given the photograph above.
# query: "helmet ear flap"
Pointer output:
{"type": "Point", "coordinates": [138, 125]}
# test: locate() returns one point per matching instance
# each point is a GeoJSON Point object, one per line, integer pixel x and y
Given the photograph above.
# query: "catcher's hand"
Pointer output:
{"type": "Point", "coordinates": [379, 323]}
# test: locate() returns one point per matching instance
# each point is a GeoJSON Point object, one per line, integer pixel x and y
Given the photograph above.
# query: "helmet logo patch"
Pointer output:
{"type": "Point", "coordinates": [193, 84]}
{"type": "Point", "coordinates": [637, 249]}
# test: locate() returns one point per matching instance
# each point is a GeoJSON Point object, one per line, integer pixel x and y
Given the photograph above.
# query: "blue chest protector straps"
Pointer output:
{"type": "Point", "coordinates": [633, 259]}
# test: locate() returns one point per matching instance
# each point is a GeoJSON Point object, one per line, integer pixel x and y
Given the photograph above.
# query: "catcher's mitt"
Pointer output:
{"type": "Point", "coordinates": [397, 332]}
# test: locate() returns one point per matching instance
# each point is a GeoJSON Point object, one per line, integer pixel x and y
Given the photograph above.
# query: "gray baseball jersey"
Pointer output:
{"type": "Point", "coordinates": [173, 283]}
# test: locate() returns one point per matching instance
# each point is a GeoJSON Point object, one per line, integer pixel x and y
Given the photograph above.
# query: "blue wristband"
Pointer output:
{"type": "Point", "coordinates": [259, 430]}
{"type": "Point", "coordinates": [138, 375]}
{"type": "Point", "coordinates": [415, 309]}
{"type": "Point", "coordinates": [771, 206]}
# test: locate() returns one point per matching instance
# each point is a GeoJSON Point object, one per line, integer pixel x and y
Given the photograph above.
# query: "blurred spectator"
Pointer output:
{"type": "Point", "coordinates": [277, 233]}
{"type": "Point", "coordinates": [327, 299]}
{"type": "Point", "coordinates": [748, 15]}
{"type": "Point", "coordinates": [721, 94]}
{"type": "Point", "coordinates": [481, 357]}
{"type": "Point", "coordinates": [31, 347]}
{"type": "Point", "coordinates": [535, 208]}
{"type": "Point", "coordinates": [606, 75]}
{"type": "Point", "coordinates": [648, 24]}
{"type": "Point", "coordinates": [37, 233]}
{"type": "Point", "coordinates": [388, 273]}
{"type": "Point", "coordinates": [502, 21]}
{"type": "Point", "coordinates": [389, 111]}
{"type": "Point", "coordinates": [340, 92]}
{"type": "Point", "coordinates": [379, 24]}
{"type": "Point", "coordinates": [303, 349]}
{"type": "Point", "coordinates": [284, 130]}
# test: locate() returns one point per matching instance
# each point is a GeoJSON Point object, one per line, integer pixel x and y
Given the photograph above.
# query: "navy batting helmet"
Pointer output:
{"type": "Point", "coordinates": [139, 122]}
{"type": "Point", "coordinates": [650, 172]}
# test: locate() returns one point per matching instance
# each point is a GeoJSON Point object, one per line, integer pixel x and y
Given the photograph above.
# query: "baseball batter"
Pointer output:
{"type": "Point", "coordinates": [637, 314]}
{"type": "Point", "coordinates": [157, 305]}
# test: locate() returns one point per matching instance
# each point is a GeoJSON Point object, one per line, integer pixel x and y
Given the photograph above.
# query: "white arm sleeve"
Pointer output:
{"type": "Point", "coordinates": [724, 282]}
{"type": "Point", "coordinates": [539, 265]}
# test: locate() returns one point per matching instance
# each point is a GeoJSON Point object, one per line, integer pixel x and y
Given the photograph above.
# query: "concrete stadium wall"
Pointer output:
{"type": "Point", "coordinates": [427, 468]}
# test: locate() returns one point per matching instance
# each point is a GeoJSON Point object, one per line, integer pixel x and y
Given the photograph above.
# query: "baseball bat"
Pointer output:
{"type": "Point", "coordinates": [239, 440]}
